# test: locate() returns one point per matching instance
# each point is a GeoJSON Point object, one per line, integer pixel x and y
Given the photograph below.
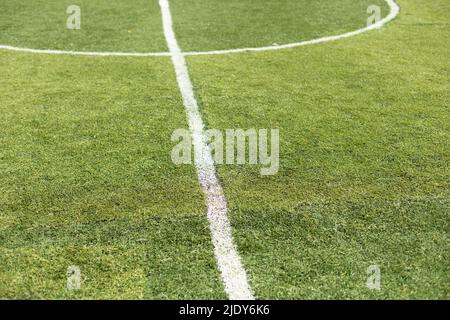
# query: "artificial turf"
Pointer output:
{"type": "Point", "coordinates": [87, 180]}
{"type": "Point", "coordinates": [87, 177]}
{"type": "Point", "coordinates": [124, 26]}
{"type": "Point", "coordinates": [215, 24]}
{"type": "Point", "coordinates": [157, 257]}
{"type": "Point", "coordinates": [364, 131]}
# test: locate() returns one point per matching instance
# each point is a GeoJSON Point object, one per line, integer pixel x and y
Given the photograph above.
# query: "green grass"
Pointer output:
{"type": "Point", "coordinates": [323, 250]}
{"type": "Point", "coordinates": [151, 258]}
{"type": "Point", "coordinates": [135, 26]}
{"type": "Point", "coordinates": [364, 123]}
{"type": "Point", "coordinates": [215, 24]}
{"type": "Point", "coordinates": [120, 26]}
{"type": "Point", "coordinates": [85, 146]}
{"type": "Point", "coordinates": [76, 148]}
{"type": "Point", "coordinates": [87, 180]}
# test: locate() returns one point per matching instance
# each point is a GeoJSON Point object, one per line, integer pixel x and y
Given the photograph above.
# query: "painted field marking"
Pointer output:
{"type": "Point", "coordinates": [394, 10]}
{"type": "Point", "coordinates": [85, 53]}
{"type": "Point", "coordinates": [233, 274]}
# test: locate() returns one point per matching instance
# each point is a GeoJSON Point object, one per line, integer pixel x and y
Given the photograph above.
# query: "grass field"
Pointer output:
{"type": "Point", "coordinates": [85, 150]}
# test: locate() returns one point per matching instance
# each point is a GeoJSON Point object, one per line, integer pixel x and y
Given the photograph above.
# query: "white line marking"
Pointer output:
{"type": "Point", "coordinates": [394, 11]}
{"type": "Point", "coordinates": [85, 53]}
{"type": "Point", "coordinates": [233, 274]}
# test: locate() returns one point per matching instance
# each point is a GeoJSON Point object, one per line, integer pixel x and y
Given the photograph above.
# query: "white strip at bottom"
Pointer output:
{"type": "Point", "coordinates": [233, 274]}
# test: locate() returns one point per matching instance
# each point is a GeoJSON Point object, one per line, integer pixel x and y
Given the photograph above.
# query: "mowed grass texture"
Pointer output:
{"type": "Point", "coordinates": [135, 25]}
{"type": "Point", "coordinates": [85, 151]}
{"type": "Point", "coordinates": [149, 258]}
{"type": "Point", "coordinates": [363, 180]}
{"type": "Point", "coordinates": [216, 24]}
{"type": "Point", "coordinates": [87, 180]}
{"type": "Point", "coordinates": [124, 26]}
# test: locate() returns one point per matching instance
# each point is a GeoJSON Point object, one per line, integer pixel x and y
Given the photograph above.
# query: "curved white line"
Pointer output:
{"type": "Point", "coordinates": [86, 53]}
{"type": "Point", "coordinates": [394, 11]}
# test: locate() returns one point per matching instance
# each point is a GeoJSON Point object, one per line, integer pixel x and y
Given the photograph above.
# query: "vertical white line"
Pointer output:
{"type": "Point", "coordinates": [233, 274]}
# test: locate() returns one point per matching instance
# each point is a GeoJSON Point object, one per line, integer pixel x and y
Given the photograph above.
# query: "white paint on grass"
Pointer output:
{"type": "Point", "coordinates": [393, 7]}
{"type": "Point", "coordinates": [233, 274]}
{"type": "Point", "coordinates": [85, 53]}
{"type": "Point", "coordinates": [394, 11]}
